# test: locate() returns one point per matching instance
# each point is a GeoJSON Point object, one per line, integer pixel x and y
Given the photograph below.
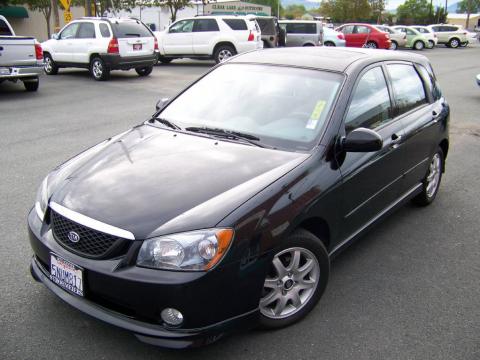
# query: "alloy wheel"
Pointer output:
{"type": "Point", "coordinates": [454, 43]}
{"type": "Point", "coordinates": [97, 69]}
{"type": "Point", "coordinates": [48, 64]}
{"type": "Point", "coordinates": [433, 177]}
{"type": "Point", "coordinates": [291, 283]}
{"type": "Point", "coordinates": [224, 55]}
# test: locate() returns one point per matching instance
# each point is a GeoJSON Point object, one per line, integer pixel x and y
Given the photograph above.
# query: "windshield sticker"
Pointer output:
{"type": "Point", "coordinates": [315, 116]}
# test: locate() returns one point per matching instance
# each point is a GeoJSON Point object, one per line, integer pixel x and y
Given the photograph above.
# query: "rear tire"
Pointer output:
{"type": "Point", "coordinates": [293, 287]}
{"type": "Point", "coordinates": [49, 66]}
{"type": "Point", "coordinates": [431, 44]}
{"type": "Point", "coordinates": [31, 84]}
{"type": "Point", "coordinates": [329, 43]}
{"type": "Point", "coordinates": [371, 45]}
{"type": "Point", "coordinates": [164, 60]}
{"type": "Point", "coordinates": [454, 43]}
{"type": "Point", "coordinates": [394, 45]}
{"type": "Point", "coordinates": [99, 69]}
{"type": "Point", "coordinates": [419, 45]}
{"type": "Point", "coordinates": [431, 182]}
{"type": "Point", "coordinates": [223, 52]}
{"type": "Point", "coordinates": [144, 71]}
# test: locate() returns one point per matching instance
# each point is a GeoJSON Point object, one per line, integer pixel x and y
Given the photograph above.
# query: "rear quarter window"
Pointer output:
{"type": "Point", "coordinates": [105, 31]}
{"type": "Point", "coordinates": [130, 29]}
{"type": "Point", "coordinates": [4, 29]}
{"type": "Point", "coordinates": [236, 24]}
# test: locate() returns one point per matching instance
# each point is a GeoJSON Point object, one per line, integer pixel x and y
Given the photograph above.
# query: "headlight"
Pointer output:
{"type": "Point", "coordinates": [195, 250]}
{"type": "Point", "coordinates": [41, 201]}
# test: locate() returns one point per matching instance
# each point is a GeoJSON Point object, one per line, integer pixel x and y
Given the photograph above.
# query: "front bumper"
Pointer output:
{"type": "Point", "coordinates": [132, 298]}
{"type": "Point", "coordinates": [19, 72]}
{"type": "Point", "coordinates": [117, 62]}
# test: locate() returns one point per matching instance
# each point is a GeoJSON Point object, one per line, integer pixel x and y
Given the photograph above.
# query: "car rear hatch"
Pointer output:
{"type": "Point", "coordinates": [134, 38]}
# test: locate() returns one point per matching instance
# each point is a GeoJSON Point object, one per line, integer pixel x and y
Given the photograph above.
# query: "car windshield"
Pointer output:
{"type": "Point", "coordinates": [283, 107]}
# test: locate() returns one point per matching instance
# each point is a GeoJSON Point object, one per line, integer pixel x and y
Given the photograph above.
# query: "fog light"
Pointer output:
{"type": "Point", "coordinates": [172, 316]}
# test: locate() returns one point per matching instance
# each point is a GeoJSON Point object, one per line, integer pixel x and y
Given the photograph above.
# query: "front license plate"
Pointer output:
{"type": "Point", "coordinates": [66, 275]}
{"type": "Point", "coordinates": [137, 46]}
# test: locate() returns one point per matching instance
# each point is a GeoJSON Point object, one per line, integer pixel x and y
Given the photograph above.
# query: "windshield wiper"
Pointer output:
{"type": "Point", "coordinates": [166, 122]}
{"type": "Point", "coordinates": [232, 135]}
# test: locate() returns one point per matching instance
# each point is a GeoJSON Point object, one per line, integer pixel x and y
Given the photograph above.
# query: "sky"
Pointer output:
{"type": "Point", "coordinates": [393, 4]}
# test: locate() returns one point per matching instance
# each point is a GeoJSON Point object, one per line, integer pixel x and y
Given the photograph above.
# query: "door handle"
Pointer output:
{"type": "Point", "coordinates": [436, 116]}
{"type": "Point", "coordinates": [395, 140]}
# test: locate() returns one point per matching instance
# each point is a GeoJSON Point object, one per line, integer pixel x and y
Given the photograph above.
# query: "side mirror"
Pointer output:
{"type": "Point", "coordinates": [54, 36]}
{"type": "Point", "coordinates": [362, 140]}
{"type": "Point", "coordinates": [162, 103]}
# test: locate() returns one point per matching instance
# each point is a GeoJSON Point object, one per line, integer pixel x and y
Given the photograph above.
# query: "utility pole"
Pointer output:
{"type": "Point", "coordinates": [56, 17]}
{"type": "Point", "coordinates": [88, 8]}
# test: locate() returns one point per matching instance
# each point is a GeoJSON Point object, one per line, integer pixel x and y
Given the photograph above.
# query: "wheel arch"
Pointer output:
{"type": "Point", "coordinates": [318, 227]}
{"type": "Point", "coordinates": [444, 146]}
{"type": "Point", "coordinates": [93, 55]}
{"type": "Point", "coordinates": [223, 43]}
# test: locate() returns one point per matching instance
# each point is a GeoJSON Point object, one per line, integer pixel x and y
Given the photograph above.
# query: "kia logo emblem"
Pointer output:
{"type": "Point", "coordinates": [73, 237]}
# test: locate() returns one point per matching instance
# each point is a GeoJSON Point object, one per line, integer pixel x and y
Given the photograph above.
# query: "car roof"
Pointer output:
{"type": "Point", "coordinates": [325, 58]}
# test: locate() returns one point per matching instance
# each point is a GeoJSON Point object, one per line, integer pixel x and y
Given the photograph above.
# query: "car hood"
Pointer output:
{"type": "Point", "coordinates": [151, 181]}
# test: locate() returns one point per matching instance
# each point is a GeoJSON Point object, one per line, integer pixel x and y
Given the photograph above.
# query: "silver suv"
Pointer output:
{"type": "Point", "coordinates": [302, 33]}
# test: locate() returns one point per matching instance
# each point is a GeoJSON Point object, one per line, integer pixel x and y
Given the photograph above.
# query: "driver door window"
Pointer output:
{"type": "Point", "coordinates": [70, 32]}
{"type": "Point", "coordinates": [181, 27]}
{"type": "Point", "coordinates": [63, 49]}
{"type": "Point", "coordinates": [179, 39]}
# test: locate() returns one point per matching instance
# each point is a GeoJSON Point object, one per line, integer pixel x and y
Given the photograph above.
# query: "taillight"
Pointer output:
{"type": "Point", "coordinates": [341, 36]}
{"type": "Point", "coordinates": [155, 44]}
{"type": "Point", "coordinates": [113, 46]}
{"type": "Point", "coordinates": [251, 37]}
{"type": "Point", "coordinates": [38, 51]}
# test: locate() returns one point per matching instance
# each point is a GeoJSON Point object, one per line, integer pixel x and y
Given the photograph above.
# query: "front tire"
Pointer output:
{"type": "Point", "coordinates": [49, 66]}
{"type": "Point", "coordinates": [223, 52]}
{"type": "Point", "coordinates": [144, 71]}
{"type": "Point", "coordinates": [329, 43]}
{"type": "Point", "coordinates": [31, 84]}
{"type": "Point", "coordinates": [419, 45]}
{"type": "Point", "coordinates": [295, 282]}
{"type": "Point", "coordinates": [431, 182]}
{"type": "Point", "coordinates": [371, 45]}
{"type": "Point", "coordinates": [431, 44]}
{"type": "Point", "coordinates": [99, 69]}
{"type": "Point", "coordinates": [393, 45]}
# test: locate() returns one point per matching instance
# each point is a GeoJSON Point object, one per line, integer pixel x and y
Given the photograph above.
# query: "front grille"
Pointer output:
{"type": "Point", "coordinates": [92, 243]}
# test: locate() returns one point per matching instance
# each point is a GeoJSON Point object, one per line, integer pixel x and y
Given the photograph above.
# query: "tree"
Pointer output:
{"type": "Point", "coordinates": [45, 7]}
{"type": "Point", "coordinates": [377, 7]}
{"type": "Point", "coordinates": [414, 12]}
{"type": "Point", "coordinates": [294, 11]}
{"type": "Point", "coordinates": [468, 7]}
{"type": "Point", "coordinates": [175, 5]}
{"type": "Point", "coordinates": [346, 10]}
{"type": "Point", "coordinates": [272, 3]}
{"type": "Point", "coordinates": [440, 16]}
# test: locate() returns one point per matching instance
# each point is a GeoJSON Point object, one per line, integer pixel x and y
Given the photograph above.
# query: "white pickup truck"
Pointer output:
{"type": "Point", "coordinates": [21, 57]}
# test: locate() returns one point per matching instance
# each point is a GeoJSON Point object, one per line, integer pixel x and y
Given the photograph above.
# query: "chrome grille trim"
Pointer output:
{"type": "Point", "coordinates": [91, 223]}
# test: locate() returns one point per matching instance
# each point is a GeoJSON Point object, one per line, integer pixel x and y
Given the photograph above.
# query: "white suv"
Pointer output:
{"type": "Point", "coordinates": [209, 37]}
{"type": "Point", "coordinates": [101, 45]}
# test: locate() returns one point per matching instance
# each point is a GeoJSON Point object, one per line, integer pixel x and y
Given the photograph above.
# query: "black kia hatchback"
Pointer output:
{"type": "Point", "coordinates": [224, 209]}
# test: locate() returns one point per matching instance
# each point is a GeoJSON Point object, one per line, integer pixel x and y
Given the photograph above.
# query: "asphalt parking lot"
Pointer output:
{"type": "Point", "coordinates": [408, 290]}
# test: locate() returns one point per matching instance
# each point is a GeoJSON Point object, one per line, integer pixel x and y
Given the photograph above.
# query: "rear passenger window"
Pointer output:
{"type": "Point", "coordinates": [362, 30]}
{"type": "Point", "coordinates": [301, 28]}
{"type": "Point", "coordinates": [104, 30]}
{"type": "Point", "coordinates": [86, 31]}
{"type": "Point", "coordinates": [236, 24]}
{"type": "Point", "coordinates": [370, 106]}
{"type": "Point", "coordinates": [205, 25]}
{"type": "Point", "coordinates": [348, 29]}
{"type": "Point", "coordinates": [4, 29]}
{"type": "Point", "coordinates": [407, 87]}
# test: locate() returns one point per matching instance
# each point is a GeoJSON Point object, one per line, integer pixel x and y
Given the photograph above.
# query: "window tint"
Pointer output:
{"type": "Point", "coordinates": [205, 25]}
{"type": "Point", "coordinates": [370, 106]}
{"type": "Point", "coordinates": [104, 30]}
{"type": "Point", "coordinates": [450, 28]}
{"type": "Point", "coordinates": [348, 29]}
{"type": "Point", "coordinates": [422, 30]}
{"type": "Point", "coordinates": [69, 32]}
{"type": "Point", "coordinates": [362, 30]}
{"type": "Point", "coordinates": [4, 29]}
{"type": "Point", "coordinates": [130, 29]}
{"type": "Point", "coordinates": [301, 28]}
{"type": "Point", "coordinates": [436, 28]}
{"type": "Point", "coordinates": [236, 24]}
{"type": "Point", "coordinates": [431, 82]}
{"type": "Point", "coordinates": [86, 31]}
{"type": "Point", "coordinates": [267, 25]}
{"type": "Point", "coordinates": [410, 32]}
{"type": "Point", "coordinates": [407, 86]}
{"type": "Point", "coordinates": [182, 27]}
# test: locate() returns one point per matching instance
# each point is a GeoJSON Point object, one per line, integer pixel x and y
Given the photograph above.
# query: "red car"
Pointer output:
{"type": "Point", "coordinates": [365, 35]}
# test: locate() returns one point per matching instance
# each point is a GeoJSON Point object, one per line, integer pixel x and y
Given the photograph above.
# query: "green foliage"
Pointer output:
{"type": "Point", "coordinates": [468, 6]}
{"type": "Point", "coordinates": [272, 3]}
{"type": "Point", "coordinates": [349, 10]}
{"type": "Point", "coordinates": [294, 12]}
{"type": "Point", "coordinates": [418, 12]}
{"type": "Point", "coordinates": [440, 16]}
{"type": "Point", "coordinates": [4, 3]}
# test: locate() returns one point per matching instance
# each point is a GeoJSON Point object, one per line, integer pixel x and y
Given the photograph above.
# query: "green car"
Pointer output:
{"type": "Point", "coordinates": [415, 39]}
